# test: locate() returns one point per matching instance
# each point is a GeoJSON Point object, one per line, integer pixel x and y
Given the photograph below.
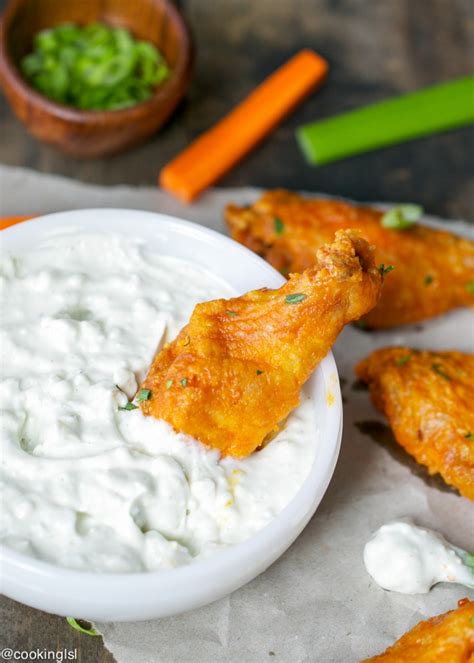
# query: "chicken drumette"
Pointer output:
{"type": "Point", "coordinates": [235, 372]}
{"type": "Point", "coordinates": [434, 269]}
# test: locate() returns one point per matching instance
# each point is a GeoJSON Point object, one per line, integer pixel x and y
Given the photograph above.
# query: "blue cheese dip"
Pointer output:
{"type": "Point", "coordinates": [403, 557]}
{"type": "Point", "coordinates": [86, 485]}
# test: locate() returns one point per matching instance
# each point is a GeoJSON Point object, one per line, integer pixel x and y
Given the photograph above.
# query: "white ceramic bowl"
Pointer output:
{"type": "Point", "coordinates": [138, 596]}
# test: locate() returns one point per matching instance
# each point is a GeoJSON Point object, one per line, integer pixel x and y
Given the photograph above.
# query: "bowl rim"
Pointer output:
{"type": "Point", "coordinates": [136, 585]}
{"type": "Point", "coordinates": [181, 73]}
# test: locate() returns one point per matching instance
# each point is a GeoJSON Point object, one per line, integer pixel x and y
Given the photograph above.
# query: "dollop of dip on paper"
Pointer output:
{"type": "Point", "coordinates": [403, 557]}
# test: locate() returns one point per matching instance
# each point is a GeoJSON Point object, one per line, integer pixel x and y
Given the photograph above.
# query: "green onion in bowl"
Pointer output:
{"type": "Point", "coordinates": [94, 67]}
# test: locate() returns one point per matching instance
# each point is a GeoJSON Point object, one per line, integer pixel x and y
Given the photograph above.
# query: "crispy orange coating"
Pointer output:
{"type": "Point", "coordinates": [234, 373]}
{"type": "Point", "coordinates": [434, 270]}
{"type": "Point", "coordinates": [447, 638]}
{"type": "Point", "coordinates": [427, 398]}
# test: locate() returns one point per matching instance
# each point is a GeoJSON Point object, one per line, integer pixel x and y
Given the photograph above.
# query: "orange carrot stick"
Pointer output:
{"type": "Point", "coordinates": [218, 149]}
{"type": "Point", "coordinates": [6, 221]}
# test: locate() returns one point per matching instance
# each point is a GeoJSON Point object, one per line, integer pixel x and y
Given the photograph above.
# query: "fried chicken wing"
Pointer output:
{"type": "Point", "coordinates": [447, 638]}
{"type": "Point", "coordinates": [434, 270]}
{"type": "Point", "coordinates": [234, 373]}
{"type": "Point", "coordinates": [427, 398]}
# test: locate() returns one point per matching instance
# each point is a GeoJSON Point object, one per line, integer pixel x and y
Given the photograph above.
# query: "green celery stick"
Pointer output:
{"type": "Point", "coordinates": [413, 115]}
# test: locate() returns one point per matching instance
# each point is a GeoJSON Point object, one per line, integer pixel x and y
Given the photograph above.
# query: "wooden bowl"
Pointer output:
{"type": "Point", "coordinates": [93, 133]}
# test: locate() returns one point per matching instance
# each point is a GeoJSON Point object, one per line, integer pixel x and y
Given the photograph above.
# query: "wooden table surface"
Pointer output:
{"type": "Point", "coordinates": [376, 48]}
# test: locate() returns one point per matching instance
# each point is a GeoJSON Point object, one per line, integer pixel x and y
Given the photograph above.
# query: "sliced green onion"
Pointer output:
{"type": "Point", "coordinates": [75, 624]}
{"type": "Point", "coordinates": [183, 382]}
{"type": "Point", "coordinates": [232, 314]}
{"type": "Point", "coordinates": [468, 558]}
{"type": "Point", "coordinates": [295, 298]}
{"type": "Point", "coordinates": [389, 122]}
{"type": "Point", "coordinates": [258, 372]}
{"type": "Point", "coordinates": [469, 436]}
{"type": "Point", "coordinates": [95, 67]}
{"type": "Point", "coordinates": [46, 41]}
{"type": "Point", "coordinates": [401, 217]}
{"type": "Point", "coordinates": [168, 384]}
{"type": "Point", "coordinates": [470, 287]}
{"type": "Point", "coordinates": [143, 395]}
{"type": "Point", "coordinates": [279, 226]}
{"type": "Point", "coordinates": [428, 280]}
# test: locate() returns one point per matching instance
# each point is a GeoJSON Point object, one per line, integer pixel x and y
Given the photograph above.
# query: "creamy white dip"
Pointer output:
{"type": "Point", "coordinates": [405, 558]}
{"type": "Point", "coordinates": [85, 485]}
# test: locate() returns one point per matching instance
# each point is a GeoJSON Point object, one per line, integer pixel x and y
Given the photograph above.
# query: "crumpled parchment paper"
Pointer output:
{"type": "Point", "coordinates": [316, 604]}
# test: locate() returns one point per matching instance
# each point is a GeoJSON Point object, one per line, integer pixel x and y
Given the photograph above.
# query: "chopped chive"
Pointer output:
{"type": "Point", "coordinates": [285, 271]}
{"type": "Point", "coordinates": [472, 620]}
{"type": "Point", "coordinates": [428, 280]}
{"type": "Point", "coordinates": [385, 270]}
{"type": "Point", "coordinates": [129, 406]}
{"type": "Point", "coordinates": [296, 298]}
{"type": "Point", "coordinates": [258, 372]}
{"type": "Point", "coordinates": [232, 314]}
{"type": "Point", "coordinates": [401, 217]}
{"type": "Point", "coordinates": [279, 226]}
{"type": "Point", "coordinates": [169, 383]}
{"type": "Point", "coordinates": [438, 368]}
{"type": "Point", "coordinates": [143, 395]}
{"type": "Point", "coordinates": [403, 360]}
{"type": "Point", "coordinates": [183, 382]}
{"type": "Point", "coordinates": [470, 287]}
{"type": "Point", "coordinates": [469, 436]}
{"type": "Point", "coordinates": [75, 624]}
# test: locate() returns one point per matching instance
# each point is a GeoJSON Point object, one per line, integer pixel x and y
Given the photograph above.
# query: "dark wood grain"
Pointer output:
{"type": "Point", "coordinates": [26, 629]}
{"type": "Point", "coordinates": [376, 48]}
{"type": "Point", "coordinates": [84, 133]}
